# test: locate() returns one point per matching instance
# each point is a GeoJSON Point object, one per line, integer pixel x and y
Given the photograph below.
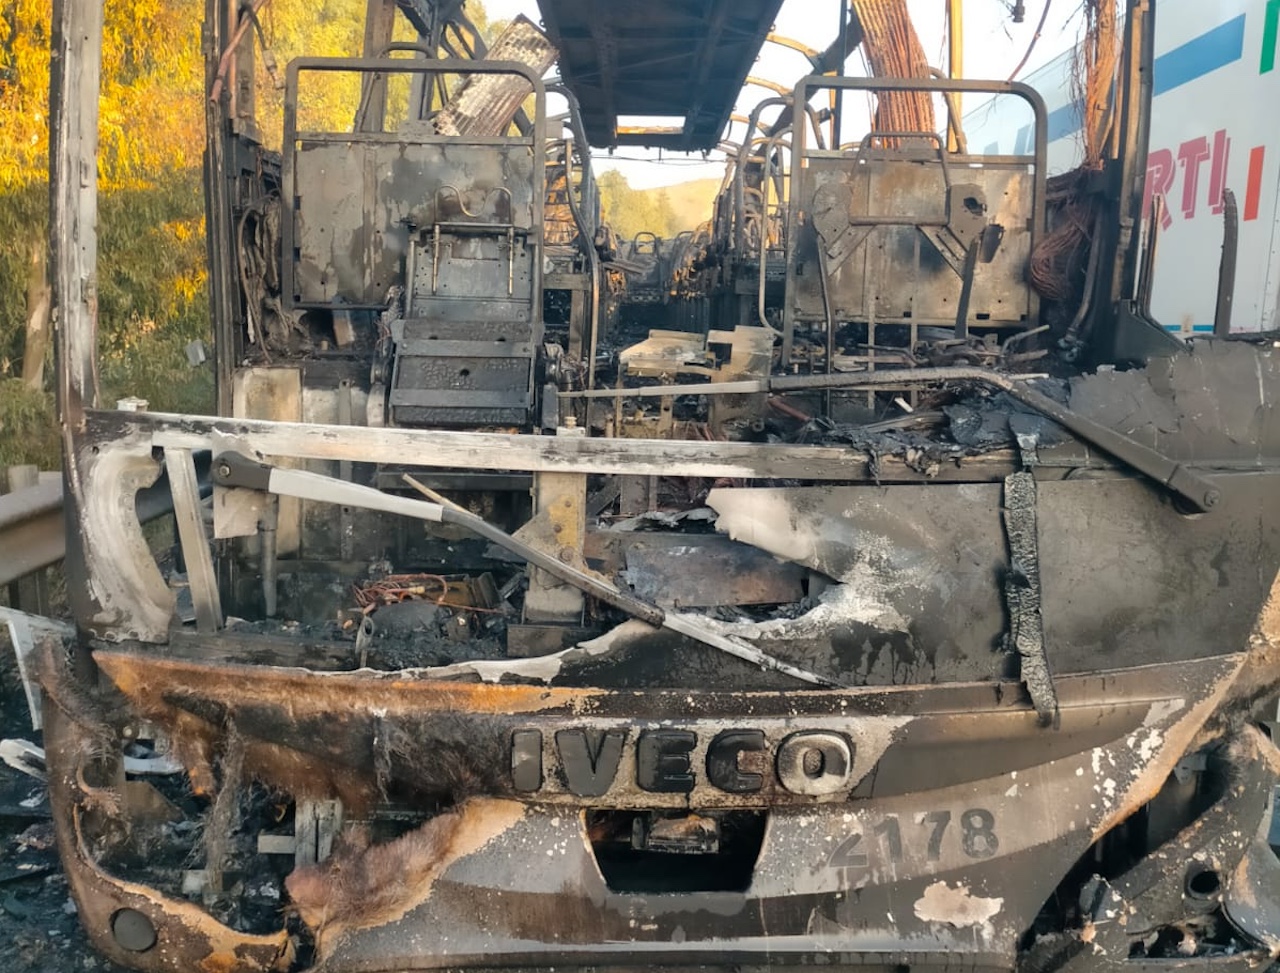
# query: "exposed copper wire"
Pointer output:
{"type": "Point", "coordinates": [224, 63]}
{"type": "Point", "coordinates": [788, 410]}
{"type": "Point", "coordinates": [1044, 15]}
{"type": "Point", "coordinates": [395, 588]}
{"type": "Point", "coordinates": [893, 50]}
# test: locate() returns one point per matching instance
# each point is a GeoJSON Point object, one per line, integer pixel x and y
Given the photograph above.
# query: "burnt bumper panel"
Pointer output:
{"type": "Point", "coordinates": [520, 826]}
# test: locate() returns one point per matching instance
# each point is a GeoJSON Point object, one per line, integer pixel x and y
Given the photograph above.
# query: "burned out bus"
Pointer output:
{"type": "Point", "coordinates": [907, 601]}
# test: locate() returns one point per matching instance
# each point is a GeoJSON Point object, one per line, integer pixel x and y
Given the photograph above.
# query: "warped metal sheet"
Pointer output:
{"type": "Point", "coordinates": [486, 103]}
{"type": "Point", "coordinates": [684, 60]}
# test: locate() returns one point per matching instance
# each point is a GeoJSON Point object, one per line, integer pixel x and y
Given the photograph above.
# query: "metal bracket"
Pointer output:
{"type": "Point", "coordinates": [25, 631]}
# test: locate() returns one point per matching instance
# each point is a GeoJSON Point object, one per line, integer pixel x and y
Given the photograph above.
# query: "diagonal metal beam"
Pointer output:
{"type": "Point", "coordinates": [703, 63]}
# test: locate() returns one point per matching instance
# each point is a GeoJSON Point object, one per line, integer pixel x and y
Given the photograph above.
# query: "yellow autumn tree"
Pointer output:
{"type": "Point", "coordinates": [151, 249]}
{"type": "Point", "coordinates": [151, 271]}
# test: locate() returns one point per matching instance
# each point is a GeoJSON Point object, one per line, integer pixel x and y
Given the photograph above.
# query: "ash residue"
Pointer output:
{"type": "Point", "coordinates": [170, 853]}
{"type": "Point", "coordinates": [404, 635]}
{"type": "Point", "coordinates": [419, 634]}
{"type": "Point", "coordinates": [947, 427]}
{"type": "Point", "coordinates": [39, 929]}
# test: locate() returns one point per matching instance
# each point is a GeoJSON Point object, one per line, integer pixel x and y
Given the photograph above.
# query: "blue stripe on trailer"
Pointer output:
{"type": "Point", "coordinates": [1197, 57]}
{"type": "Point", "coordinates": [1059, 123]}
{"type": "Point", "coordinates": [1063, 121]}
{"type": "Point", "coordinates": [1213, 49]}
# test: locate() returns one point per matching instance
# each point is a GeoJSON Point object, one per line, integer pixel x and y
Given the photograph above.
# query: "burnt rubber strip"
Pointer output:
{"type": "Point", "coordinates": [1022, 595]}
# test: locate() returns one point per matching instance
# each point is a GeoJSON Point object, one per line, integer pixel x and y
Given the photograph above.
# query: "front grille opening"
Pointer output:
{"type": "Point", "coordinates": [660, 852]}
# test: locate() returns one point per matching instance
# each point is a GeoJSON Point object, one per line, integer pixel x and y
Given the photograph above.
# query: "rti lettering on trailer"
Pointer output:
{"type": "Point", "coordinates": [596, 763]}
{"type": "Point", "coordinates": [1176, 174]}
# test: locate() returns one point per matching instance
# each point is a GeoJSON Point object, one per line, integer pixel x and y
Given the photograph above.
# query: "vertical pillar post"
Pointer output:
{"type": "Point", "coordinates": [955, 64]}
{"type": "Point", "coordinates": [75, 69]}
{"type": "Point", "coordinates": [224, 287]}
{"type": "Point", "coordinates": [561, 499]}
{"type": "Point", "coordinates": [201, 574]}
{"type": "Point", "coordinates": [378, 23]}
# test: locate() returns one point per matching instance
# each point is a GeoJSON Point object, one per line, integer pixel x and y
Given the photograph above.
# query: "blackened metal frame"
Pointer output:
{"type": "Point", "coordinates": [944, 86]}
{"type": "Point", "coordinates": [536, 140]}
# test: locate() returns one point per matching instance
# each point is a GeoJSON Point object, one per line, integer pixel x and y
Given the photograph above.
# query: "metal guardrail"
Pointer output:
{"type": "Point", "coordinates": [32, 531]}
{"type": "Point", "coordinates": [33, 525]}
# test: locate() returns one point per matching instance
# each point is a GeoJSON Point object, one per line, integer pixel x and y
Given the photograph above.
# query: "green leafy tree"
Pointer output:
{"type": "Point", "coordinates": [151, 252]}
{"type": "Point", "coordinates": [151, 257]}
{"type": "Point", "coordinates": [630, 211]}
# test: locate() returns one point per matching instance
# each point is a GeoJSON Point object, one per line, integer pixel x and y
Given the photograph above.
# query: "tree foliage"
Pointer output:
{"type": "Point", "coordinates": [152, 278]}
{"type": "Point", "coordinates": [631, 211]}
{"type": "Point", "coordinates": [149, 107]}
{"type": "Point", "coordinates": [151, 251]}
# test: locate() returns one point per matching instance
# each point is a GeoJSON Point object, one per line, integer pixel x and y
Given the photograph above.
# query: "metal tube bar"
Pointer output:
{"type": "Point", "coordinates": [1197, 490]}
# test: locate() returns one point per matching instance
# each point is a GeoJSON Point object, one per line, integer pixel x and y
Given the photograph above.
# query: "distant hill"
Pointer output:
{"type": "Point", "coordinates": [690, 202]}
{"type": "Point", "coordinates": [665, 210]}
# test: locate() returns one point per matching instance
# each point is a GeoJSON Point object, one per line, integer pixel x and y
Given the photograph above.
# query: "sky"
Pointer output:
{"type": "Point", "coordinates": [993, 46]}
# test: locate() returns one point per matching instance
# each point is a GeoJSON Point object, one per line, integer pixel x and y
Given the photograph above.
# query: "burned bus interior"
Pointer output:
{"type": "Point", "coordinates": [863, 578]}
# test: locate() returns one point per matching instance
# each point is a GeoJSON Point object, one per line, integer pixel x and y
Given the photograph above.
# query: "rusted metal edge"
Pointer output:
{"type": "Point", "coordinates": [185, 936]}
{"type": "Point", "coordinates": [418, 688]}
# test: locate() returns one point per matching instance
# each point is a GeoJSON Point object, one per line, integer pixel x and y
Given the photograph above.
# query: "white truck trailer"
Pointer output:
{"type": "Point", "coordinates": [1215, 125]}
